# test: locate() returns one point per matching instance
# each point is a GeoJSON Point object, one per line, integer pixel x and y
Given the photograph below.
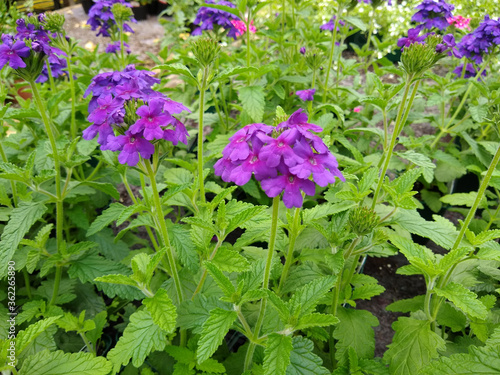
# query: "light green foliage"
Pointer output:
{"type": "Point", "coordinates": [21, 220]}
{"type": "Point", "coordinates": [253, 101]}
{"type": "Point", "coordinates": [140, 337]}
{"type": "Point", "coordinates": [277, 354]}
{"type": "Point", "coordinates": [32, 332]}
{"type": "Point", "coordinates": [162, 310]}
{"type": "Point", "coordinates": [60, 363]}
{"type": "Point", "coordinates": [414, 345]}
{"type": "Point", "coordinates": [214, 330]}
{"type": "Point", "coordinates": [464, 299]}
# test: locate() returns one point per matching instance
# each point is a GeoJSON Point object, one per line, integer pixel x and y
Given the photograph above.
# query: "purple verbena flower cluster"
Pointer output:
{"type": "Point", "coordinates": [124, 103]}
{"type": "Point", "coordinates": [282, 158]}
{"type": "Point", "coordinates": [470, 71]}
{"type": "Point", "coordinates": [208, 17]}
{"type": "Point", "coordinates": [481, 41]}
{"type": "Point", "coordinates": [331, 24]}
{"type": "Point", "coordinates": [15, 48]}
{"type": "Point", "coordinates": [433, 13]}
{"type": "Point", "coordinates": [57, 62]}
{"type": "Point", "coordinates": [115, 47]}
{"type": "Point", "coordinates": [101, 17]}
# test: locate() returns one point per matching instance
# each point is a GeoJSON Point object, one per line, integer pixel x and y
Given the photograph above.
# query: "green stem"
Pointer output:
{"type": "Point", "coordinates": [73, 97]}
{"type": "Point", "coordinates": [289, 257]}
{"type": "Point", "coordinates": [205, 272]}
{"type": "Point", "coordinates": [57, 167]}
{"type": "Point", "coordinates": [200, 136]}
{"type": "Point", "coordinates": [217, 109]}
{"type": "Point", "coordinates": [12, 183]}
{"type": "Point", "coordinates": [57, 281]}
{"type": "Point", "coordinates": [386, 129]}
{"type": "Point", "coordinates": [395, 134]}
{"type": "Point", "coordinates": [87, 343]}
{"type": "Point", "coordinates": [470, 215]}
{"type": "Point", "coordinates": [122, 55]}
{"type": "Point", "coordinates": [459, 108]}
{"type": "Point", "coordinates": [160, 220]}
{"type": "Point", "coordinates": [51, 78]}
{"type": "Point", "coordinates": [330, 58]}
{"type": "Point", "coordinates": [265, 283]}
{"type": "Point", "coordinates": [96, 169]}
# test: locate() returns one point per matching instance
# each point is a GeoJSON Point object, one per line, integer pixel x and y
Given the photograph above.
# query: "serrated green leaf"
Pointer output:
{"type": "Point", "coordinates": [464, 299]}
{"type": "Point", "coordinates": [234, 72]}
{"type": "Point", "coordinates": [303, 361]}
{"type": "Point", "coordinates": [26, 336]}
{"type": "Point", "coordinates": [280, 306]}
{"type": "Point", "coordinates": [107, 217]}
{"type": "Point", "coordinates": [316, 320]}
{"type": "Point", "coordinates": [163, 312]}
{"type": "Point", "coordinates": [325, 209]}
{"type": "Point", "coordinates": [253, 100]}
{"type": "Point", "coordinates": [180, 239]}
{"type": "Point", "coordinates": [355, 331]}
{"type": "Point", "coordinates": [462, 199]}
{"type": "Point", "coordinates": [222, 280]}
{"type": "Point", "coordinates": [479, 361]}
{"type": "Point", "coordinates": [140, 337]}
{"type": "Point", "coordinates": [60, 363]}
{"type": "Point", "coordinates": [211, 366]}
{"type": "Point", "coordinates": [215, 329]}
{"type": "Point", "coordinates": [229, 260]}
{"type": "Point", "coordinates": [116, 279]}
{"type": "Point", "coordinates": [277, 354]}
{"type": "Point", "coordinates": [305, 299]}
{"type": "Point", "coordinates": [418, 255]}
{"type": "Point", "coordinates": [414, 345]}
{"type": "Point", "coordinates": [242, 217]}
{"type": "Point", "coordinates": [179, 69]}
{"type": "Point", "coordinates": [422, 161]}
{"type": "Point", "coordinates": [105, 187]}
{"type": "Point", "coordinates": [367, 291]}
{"type": "Point", "coordinates": [21, 220]}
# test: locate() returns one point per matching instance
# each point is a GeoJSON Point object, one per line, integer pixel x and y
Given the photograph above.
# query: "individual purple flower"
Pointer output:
{"type": "Point", "coordinates": [470, 71]}
{"type": "Point", "coordinates": [58, 65]}
{"type": "Point", "coordinates": [152, 118]}
{"type": "Point", "coordinates": [432, 13]}
{"type": "Point", "coordinates": [331, 24]}
{"type": "Point", "coordinates": [208, 17]}
{"type": "Point", "coordinates": [130, 146]}
{"type": "Point", "coordinates": [12, 53]}
{"type": "Point", "coordinates": [303, 50]}
{"type": "Point", "coordinates": [106, 107]}
{"type": "Point", "coordinates": [412, 38]}
{"type": "Point", "coordinates": [291, 186]}
{"type": "Point", "coordinates": [306, 95]}
{"type": "Point", "coordinates": [448, 43]}
{"type": "Point", "coordinates": [115, 47]}
{"type": "Point", "coordinates": [287, 162]}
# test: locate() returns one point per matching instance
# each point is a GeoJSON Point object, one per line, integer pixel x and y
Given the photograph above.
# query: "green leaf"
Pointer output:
{"type": "Point", "coordinates": [105, 187]}
{"type": "Point", "coordinates": [140, 337]}
{"type": "Point", "coordinates": [211, 366]}
{"type": "Point", "coordinates": [316, 320]}
{"type": "Point", "coordinates": [215, 329]}
{"type": "Point", "coordinates": [422, 161]}
{"type": "Point", "coordinates": [277, 354]}
{"type": "Point", "coordinates": [242, 217]}
{"type": "Point", "coordinates": [253, 100]}
{"type": "Point", "coordinates": [448, 168]}
{"type": "Point", "coordinates": [32, 332]}
{"type": "Point", "coordinates": [479, 361]}
{"type": "Point", "coordinates": [234, 72]}
{"type": "Point", "coordinates": [60, 363]}
{"type": "Point", "coordinates": [438, 231]}
{"type": "Point", "coordinates": [302, 359]}
{"type": "Point", "coordinates": [107, 217]}
{"type": "Point", "coordinates": [418, 255]}
{"type": "Point", "coordinates": [464, 299]}
{"type": "Point", "coordinates": [463, 199]}
{"type": "Point", "coordinates": [180, 239]}
{"type": "Point", "coordinates": [367, 291]}
{"type": "Point", "coordinates": [116, 279]}
{"type": "Point", "coordinates": [325, 209]}
{"type": "Point", "coordinates": [357, 22]}
{"type": "Point", "coordinates": [280, 306]}
{"type": "Point", "coordinates": [413, 346]}
{"type": "Point", "coordinates": [355, 331]}
{"type": "Point", "coordinates": [222, 280]}
{"type": "Point", "coordinates": [305, 299]}
{"type": "Point", "coordinates": [163, 311]}
{"type": "Point", "coordinates": [229, 260]}
{"type": "Point", "coordinates": [180, 69]}
{"type": "Point", "coordinates": [21, 220]}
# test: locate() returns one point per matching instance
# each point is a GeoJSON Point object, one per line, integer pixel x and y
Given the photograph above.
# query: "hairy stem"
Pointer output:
{"type": "Point", "coordinates": [200, 136]}
{"type": "Point", "coordinates": [330, 58]}
{"type": "Point", "coordinates": [289, 257]}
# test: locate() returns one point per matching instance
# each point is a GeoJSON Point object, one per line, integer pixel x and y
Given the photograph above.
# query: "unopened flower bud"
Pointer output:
{"type": "Point", "coordinates": [363, 220]}
{"type": "Point", "coordinates": [205, 50]}
{"type": "Point", "coordinates": [54, 22]}
{"type": "Point", "coordinates": [121, 13]}
{"type": "Point", "coordinates": [314, 58]}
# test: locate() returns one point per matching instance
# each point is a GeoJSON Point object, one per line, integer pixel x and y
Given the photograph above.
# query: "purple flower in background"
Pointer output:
{"type": "Point", "coordinates": [208, 17]}
{"type": "Point", "coordinates": [470, 71]}
{"type": "Point", "coordinates": [57, 62]}
{"type": "Point", "coordinates": [115, 47]}
{"type": "Point", "coordinates": [481, 41]}
{"type": "Point", "coordinates": [12, 53]}
{"type": "Point", "coordinates": [448, 43]}
{"type": "Point", "coordinates": [115, 93]}
{"type": "Point", "coordinates": [101, 17]}
{"type": "Point", "coordinates": [306, 95]}
{"type": "Point", "coordinates": [303, 50]}
{"type": "Point", "coordinates": [412, 38]}
{"type": "Point", "coordinates": [292, 160]}
{"type": "Point", "coordinates": [432, 13]}
{"type": "Point", "coordinates": [331, 24]}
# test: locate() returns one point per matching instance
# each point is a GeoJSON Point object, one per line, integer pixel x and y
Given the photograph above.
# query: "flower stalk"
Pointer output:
{"type": "Point", "coordinates": [332, 48]}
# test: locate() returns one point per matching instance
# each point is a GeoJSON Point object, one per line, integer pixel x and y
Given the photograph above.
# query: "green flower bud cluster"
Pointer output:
{"type": "Point", "coordinates": [419, 57]}
{"type": "Point", "coordinates": [205, 50]}
{"type": "Point", "coordinates": [314, 58]}
{"type": "Point", "coordinates": [363, 220]}
{"type": "Point", "coordinates": [281, 116]}
{"type": "Point", "coordinates": [54, 22]}
{"type": "Point", "coordinates": [121, 13]}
